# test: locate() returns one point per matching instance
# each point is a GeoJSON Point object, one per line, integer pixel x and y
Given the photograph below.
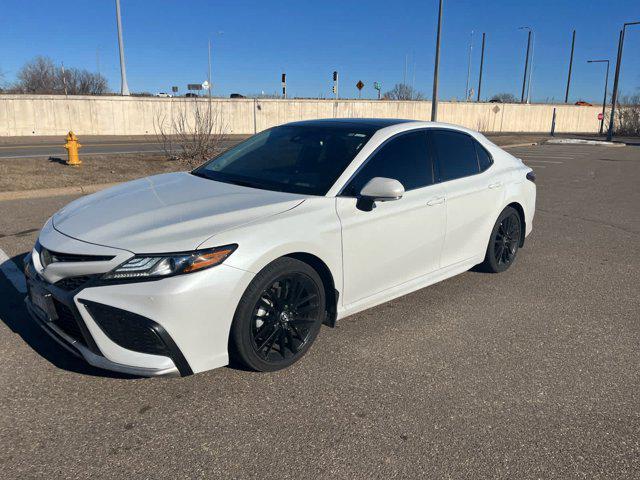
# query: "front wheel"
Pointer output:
{"type": "Point", "coordinates": [279, 315]}
{"type": "Point", "coordinates": [504, 242]}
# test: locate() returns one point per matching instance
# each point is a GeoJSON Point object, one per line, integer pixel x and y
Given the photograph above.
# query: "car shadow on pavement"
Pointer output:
{"type": "Point", "coordinates": [13, 313]}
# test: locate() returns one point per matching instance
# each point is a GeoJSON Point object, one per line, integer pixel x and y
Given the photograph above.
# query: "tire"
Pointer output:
{"type": "Point", "coordinates": [279, 316]}
{"type": "Point", "coordinates": [504, 242]}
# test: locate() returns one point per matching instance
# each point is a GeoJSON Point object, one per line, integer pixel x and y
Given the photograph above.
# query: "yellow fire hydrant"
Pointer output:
{"type": "Point", "coordinates": [72, 147]}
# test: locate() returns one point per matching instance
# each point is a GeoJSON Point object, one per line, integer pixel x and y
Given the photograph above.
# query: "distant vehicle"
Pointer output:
{"type": "Point", "coordinates": [584, 104]}
{"type": "Point", "coordinates": [236, 95]}
{"type": "Point", "coordinates": [248, 254]}
{"type": "Point", "coordinates": [163, 95]}
{"type": "Point", "coordinates": [191, 95]}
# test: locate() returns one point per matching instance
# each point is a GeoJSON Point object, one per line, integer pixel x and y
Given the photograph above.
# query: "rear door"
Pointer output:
{"type": "Point", "coordinates": [398, 240]}
{"type": "Point", "coordinates": [473, 195]}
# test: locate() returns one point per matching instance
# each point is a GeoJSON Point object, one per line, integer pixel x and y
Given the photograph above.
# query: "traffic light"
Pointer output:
{"type": "Point", "coordinates": [284, 78]}
{"type": "Point", "coordinates": [335, 76]}
{"type": "Point", "coordinates": [334, 89]}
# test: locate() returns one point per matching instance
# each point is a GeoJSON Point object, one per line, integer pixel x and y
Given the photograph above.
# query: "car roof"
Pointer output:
{"type": "Point", "coordinates": [376, 123]}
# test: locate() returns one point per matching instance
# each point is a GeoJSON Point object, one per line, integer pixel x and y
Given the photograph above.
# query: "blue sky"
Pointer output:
{"type": "Point", "coordinates": [166, 43]}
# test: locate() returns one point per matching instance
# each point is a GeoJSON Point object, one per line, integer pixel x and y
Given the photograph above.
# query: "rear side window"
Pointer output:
{"type": "Point", "coordinates": [403, 158]}
{"type": "Point", "coordinates": [484, 159]}
{"type": "Point", "coordinates": [456, 154]}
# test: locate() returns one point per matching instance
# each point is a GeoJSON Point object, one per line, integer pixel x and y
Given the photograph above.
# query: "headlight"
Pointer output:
{"type": "Point", "coordinates": [158, 266]}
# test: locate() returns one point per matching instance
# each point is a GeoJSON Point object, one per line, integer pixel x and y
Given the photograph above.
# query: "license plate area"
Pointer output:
{"type": "Point", "coordinates": [43, 301]}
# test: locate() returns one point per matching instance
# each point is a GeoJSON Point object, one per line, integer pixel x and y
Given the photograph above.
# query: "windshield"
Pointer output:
{"type": "Point", "coordinates": [296, 159]}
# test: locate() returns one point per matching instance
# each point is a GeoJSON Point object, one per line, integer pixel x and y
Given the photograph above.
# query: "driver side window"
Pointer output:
{"type": "Point", "coordinates": [404, 158]}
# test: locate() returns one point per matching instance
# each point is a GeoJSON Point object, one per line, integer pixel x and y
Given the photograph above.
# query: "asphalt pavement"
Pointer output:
{"type": "Point", "coordinates": [532, 373]}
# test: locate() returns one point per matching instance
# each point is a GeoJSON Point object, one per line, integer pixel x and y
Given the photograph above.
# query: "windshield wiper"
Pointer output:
{"type": "Point", "coordinates": [200, 174]}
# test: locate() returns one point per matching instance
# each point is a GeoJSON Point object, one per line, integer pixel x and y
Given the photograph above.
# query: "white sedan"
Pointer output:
{"type": "Point", "coordinates": [247, 255]}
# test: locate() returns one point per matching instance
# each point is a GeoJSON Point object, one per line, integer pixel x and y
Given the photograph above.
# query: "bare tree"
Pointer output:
{"type": "Point", "coordinates": [192, 133]}
{"type": "Point", "coordinates": [402, 91]}
{"type": "Point", "coordinates": [503, 98]}
{"type": "Point", "coordinates": [41, 75]}
{"type": "Point", "coordinates": [627, 120]}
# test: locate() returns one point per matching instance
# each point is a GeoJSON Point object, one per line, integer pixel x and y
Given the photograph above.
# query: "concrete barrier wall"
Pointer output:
{"type": "Point", "coordinates": [87, 115]}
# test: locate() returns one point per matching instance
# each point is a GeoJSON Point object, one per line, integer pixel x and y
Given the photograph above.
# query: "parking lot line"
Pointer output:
{"type": "Point", "coordinates": [546, 161]}
{"type": "Point", "coordinates": [12, 272]}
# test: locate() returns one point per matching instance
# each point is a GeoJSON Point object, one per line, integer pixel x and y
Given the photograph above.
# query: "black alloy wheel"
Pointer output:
{"type": "Point", "coordinates": [504, 243]}
{"type": "Point", "coordinates": [279, 315]}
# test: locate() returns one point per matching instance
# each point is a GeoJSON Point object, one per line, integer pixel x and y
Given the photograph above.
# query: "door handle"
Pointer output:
{"type": "Point", "coordinates": [435, 201]}
{"type": "Point", "coordinates": [495, 185]}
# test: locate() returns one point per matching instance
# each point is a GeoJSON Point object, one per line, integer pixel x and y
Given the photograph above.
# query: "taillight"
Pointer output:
{"type": "Point", "coordinates": [531, 176]}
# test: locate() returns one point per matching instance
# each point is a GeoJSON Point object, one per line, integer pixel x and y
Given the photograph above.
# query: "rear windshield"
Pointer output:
{"type": "Point", "coordinates": [298, 159]}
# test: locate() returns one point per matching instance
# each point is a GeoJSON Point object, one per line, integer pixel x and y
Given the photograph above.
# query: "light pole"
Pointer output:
{"type": "Point", "coordinates": [526, 62]}
{"type": "Point", "coordinates": [209, 58]}
{"type": "Point", "coordinates": [124, 88]}
{"type": "Point", "coordinates": [606, 83]}
{"type": "Point", "coordinates": [466, 90]}
{"type": "Point", "coordinates": [434, 97]}
{"type": "Point", "coordinates": [481, 66]}
{"type": "Point", "coordinates": [573, 44]}
{"type": "Point", "coordinates": [614, 95]}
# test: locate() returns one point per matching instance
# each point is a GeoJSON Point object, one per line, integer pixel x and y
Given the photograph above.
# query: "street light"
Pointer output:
{"type": "Point", "coordinates": [124, 88]}
{"type": "Point", "coordinates": [614, 95]}
{"type": "Point", "coordinates": [606, 83]}
{"type": "Point", "coordinates": [434, 97]}
{"type": "Point", "coordinates": [526, 65]}
{"type": "Point", "coordinates": [220, 33]}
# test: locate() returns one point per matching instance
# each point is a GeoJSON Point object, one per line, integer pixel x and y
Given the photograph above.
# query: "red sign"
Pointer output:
{"type": "Point", "coordinates": [600, 116]}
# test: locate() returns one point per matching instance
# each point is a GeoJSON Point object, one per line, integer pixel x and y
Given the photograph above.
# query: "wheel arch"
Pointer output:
{"type": "Point", "coordinates": [523, 224]}
{"type": "Point", "coordinates": [331, 293]}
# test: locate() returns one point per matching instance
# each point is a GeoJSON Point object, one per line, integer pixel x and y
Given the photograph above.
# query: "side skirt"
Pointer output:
{"type": "Point", "coordinates": [408, 287]}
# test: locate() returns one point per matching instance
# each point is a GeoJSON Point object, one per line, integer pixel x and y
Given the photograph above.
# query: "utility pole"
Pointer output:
{"type": "Point", "coordinates": [614, 95]}
{"type": "Point", "coordinates": [434, 96]}
{"type": "Point", "coordinates": [606, 83]}
{"type": "Point", "coordinates": [466, 90]}
{"type": "Point", "coordinates": [209, 75]}
{"type": "Point", "coordinates": [481, 66]}
{"type": "Point", "coordinates": [526, 62]}
{"type": "Point", "coordinates": [573, 44]}
{"type": "Point", "coordinates": [533, 49]}
{"type": "Point", "coordinates": [124, 88]}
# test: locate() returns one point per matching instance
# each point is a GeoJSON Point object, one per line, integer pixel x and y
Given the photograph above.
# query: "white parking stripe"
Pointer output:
{"type": "Point", "coordinates": [543, 161]}
{"type": "Point", "coordinates": [12, 272]}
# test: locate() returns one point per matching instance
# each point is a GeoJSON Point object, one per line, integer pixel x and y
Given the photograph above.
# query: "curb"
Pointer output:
{"type": "Point", "coordinates": [581, 141]}
{"type": "Point", "coordinates": [528, 144]}
{"type": "Point", "coordinates": [54, 192]}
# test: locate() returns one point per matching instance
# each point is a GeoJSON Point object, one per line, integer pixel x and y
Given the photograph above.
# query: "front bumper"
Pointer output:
{"type": "Point", "coordinates": [67, 327]}
{"type": "Point", "coordinates": [182, 323]}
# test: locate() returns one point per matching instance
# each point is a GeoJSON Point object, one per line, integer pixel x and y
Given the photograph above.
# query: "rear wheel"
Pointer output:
{"type": "Point", "coordinates": [279, 315]}
{"type": "Point", "coordinates": [504, 242]}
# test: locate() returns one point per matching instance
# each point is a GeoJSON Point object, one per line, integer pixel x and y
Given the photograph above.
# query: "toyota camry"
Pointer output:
{"type": "Point", "coordinates": [246, 256]}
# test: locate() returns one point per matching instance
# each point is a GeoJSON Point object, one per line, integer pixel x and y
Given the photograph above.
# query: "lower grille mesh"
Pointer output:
{"type": "Point", "coordinates": [67, 323]}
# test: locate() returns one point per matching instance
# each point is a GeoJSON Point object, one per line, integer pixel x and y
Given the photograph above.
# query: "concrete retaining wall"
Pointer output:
{"type": "Point", "coordinates": [87, 115]}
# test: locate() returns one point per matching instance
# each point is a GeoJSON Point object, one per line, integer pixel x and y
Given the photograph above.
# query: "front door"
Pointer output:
{"type": "Point", "coordinates": [398, 240]}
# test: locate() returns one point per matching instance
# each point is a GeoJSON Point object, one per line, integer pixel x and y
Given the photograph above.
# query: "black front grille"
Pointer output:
{"type": "Point", "coordinates": [66, 322]}
{"type": "Point", "coordinates": [137, 333]}
{"type": "Point", "coordinates": [73, 257]}
{"type": "Point", "coordinates": [73, 283]}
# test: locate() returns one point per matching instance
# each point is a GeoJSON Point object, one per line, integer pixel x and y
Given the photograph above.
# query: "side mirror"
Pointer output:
{"type": "Point", "coordinates": [379, 189]}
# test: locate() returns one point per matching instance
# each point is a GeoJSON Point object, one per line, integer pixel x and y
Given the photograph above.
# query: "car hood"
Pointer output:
{"type": "Point", "coordinates": [173, 212]}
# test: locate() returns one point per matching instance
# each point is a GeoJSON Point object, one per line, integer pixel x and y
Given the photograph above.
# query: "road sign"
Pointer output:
{"type": "Point", "coordinates": [174, 89]}
{"type": "Point", "coordinates": [600, 116]}
{"type": "Point", "coordinates": [359, 85]}
{"type": "Point", "coordinates": [194, 86]}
